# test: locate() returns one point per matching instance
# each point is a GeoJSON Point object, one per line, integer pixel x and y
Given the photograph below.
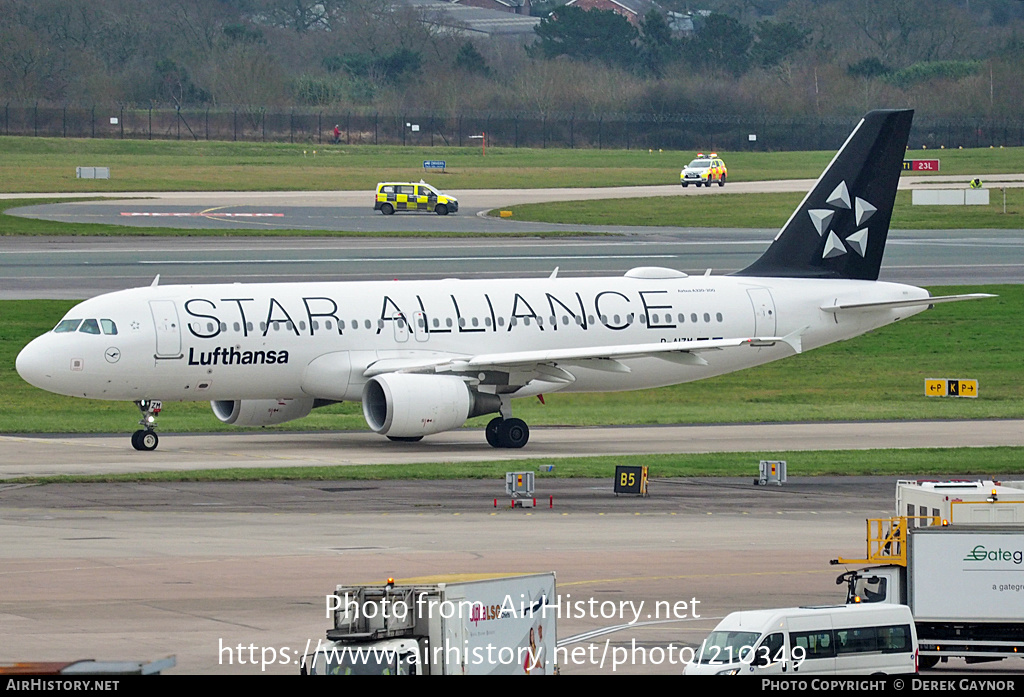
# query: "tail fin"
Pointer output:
{"type": "Point", "coordinates": [839, 229]}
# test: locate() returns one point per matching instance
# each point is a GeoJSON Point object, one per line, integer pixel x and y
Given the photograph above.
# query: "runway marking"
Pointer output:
{"type": "Point", "coordinates": [389, 260]}
{"type": "Point", "coordinates": [201, 215]}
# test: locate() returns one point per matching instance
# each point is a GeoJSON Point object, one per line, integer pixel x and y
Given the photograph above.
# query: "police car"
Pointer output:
{"type": "Point", "coordinates": [704, 170]}
{"type": "Point", "coordinates": [407, 196]}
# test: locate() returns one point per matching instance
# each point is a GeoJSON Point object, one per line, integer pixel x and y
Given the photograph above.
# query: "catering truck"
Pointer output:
{"type": "Point", "coordinates": [963, 580]}
{"type": "Point", "coordinates": [452, 625]}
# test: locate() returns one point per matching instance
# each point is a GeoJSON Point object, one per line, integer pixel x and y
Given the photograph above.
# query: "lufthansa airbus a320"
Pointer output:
{"type": "Point", "coordinates": [425, 356]}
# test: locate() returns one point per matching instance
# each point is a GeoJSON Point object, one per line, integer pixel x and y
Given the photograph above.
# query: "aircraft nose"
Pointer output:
{"type": "Point", "coordinates": [34, 364]}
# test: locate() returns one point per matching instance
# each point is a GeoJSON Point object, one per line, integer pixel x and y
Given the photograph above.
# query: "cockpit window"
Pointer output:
{"type": "Point", "coordinates": [90, 326]}
{"type": "Point", "coordinates": [108, 326]}
{"type": "Point", "coordinates": [67, 325]}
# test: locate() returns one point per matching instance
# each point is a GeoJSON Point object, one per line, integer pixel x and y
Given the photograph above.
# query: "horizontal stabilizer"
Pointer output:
{"type": "Point", "coordinates": [853, 307]}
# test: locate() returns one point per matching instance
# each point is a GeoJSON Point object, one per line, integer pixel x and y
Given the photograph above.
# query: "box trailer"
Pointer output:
{"type": "Point", "coordinates": [453, 625]}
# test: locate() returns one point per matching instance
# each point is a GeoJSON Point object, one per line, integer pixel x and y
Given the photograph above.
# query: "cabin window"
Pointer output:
{"type": "Point", "coordinates": [718, 316]}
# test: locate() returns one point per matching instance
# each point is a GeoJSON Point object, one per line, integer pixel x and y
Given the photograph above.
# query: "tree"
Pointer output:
{"type": "Point", "coordinates": [722, 42]}
{"type": "Point", "coordinates": [587, 35]}
{"type": "Point", "coordinates": [471, 60]}
{"type": "Point", "coordinates": [657, 47]}
{"type": "Point", "coordinates": [777, 42]}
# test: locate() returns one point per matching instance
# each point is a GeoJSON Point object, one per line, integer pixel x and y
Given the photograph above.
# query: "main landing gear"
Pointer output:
{"type": "Point", "coordinates": [145, 438]}
{"type": "Point", "coordinates": [507, 433]}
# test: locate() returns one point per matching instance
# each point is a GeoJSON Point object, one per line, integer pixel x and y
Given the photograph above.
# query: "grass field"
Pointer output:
{"type": "Point", "coordinates": [767, 211]}
{"type": "Point", "coordinates": [48, 165]}
{"type": "Point", "coordinates": [903, 463]}
{"type": "Point", "coordinates": [978, 339]}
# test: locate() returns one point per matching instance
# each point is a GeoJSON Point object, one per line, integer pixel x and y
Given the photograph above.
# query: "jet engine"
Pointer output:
{"type": "Point", "coordinates": [409, 405]}
{"type": "Point", "coordinates": [261, 412]}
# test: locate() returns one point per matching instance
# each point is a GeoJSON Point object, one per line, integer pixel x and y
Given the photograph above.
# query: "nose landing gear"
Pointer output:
{"type": "Point", "coordinates": [146, 438]}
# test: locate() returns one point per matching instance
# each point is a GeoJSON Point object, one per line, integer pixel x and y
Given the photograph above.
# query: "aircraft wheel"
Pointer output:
{"type": "Point", "coordinates": [387, 209]}
{"type": "Point", "coordinates": [492, 432]}
{"type": "Point", "coordinates": [514, 433]}
{"type": "Point", "coordinates": [441, 209]}
{"type": "Point", "coordinates": [145, 440]}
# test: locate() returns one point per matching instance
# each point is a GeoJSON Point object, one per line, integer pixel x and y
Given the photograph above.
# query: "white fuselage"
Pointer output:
{"type": "Point", "coordinates": [296, 340]}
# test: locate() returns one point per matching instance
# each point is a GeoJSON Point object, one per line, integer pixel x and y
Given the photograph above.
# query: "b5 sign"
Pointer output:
{"type": "Point", "coordinates": [920, 165]}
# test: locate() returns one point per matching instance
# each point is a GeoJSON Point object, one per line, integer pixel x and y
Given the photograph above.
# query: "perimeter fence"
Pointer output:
{"type": "Point", "coordinates": [515, 130]}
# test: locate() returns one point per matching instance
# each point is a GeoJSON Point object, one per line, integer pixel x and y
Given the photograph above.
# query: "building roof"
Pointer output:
{"type": "Point", "coordinates": [634, 7]}
{"type": "Point", "coordinates": [473, 20]}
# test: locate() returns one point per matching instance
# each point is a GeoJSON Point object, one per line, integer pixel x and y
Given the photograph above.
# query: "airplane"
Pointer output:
{"type": "Point", "coordinates": [425, 356]}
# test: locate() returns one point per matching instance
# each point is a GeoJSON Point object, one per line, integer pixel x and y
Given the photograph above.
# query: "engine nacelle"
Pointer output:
{"type": "Point", "coordinates": [261, 412]}
{"type": "Point", "coordinates": [406, 405]}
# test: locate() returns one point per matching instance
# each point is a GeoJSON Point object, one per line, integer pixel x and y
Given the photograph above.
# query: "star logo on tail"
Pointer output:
{"type": "Point", "coordinates": [821, 218]}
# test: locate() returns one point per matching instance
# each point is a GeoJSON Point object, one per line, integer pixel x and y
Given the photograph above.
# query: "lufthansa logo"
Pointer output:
{"type": "Point", "coordinates": [113, 355]}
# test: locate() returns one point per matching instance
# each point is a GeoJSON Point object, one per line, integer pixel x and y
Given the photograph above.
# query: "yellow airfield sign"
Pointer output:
{"type": "Point", "coordinates": [950, 387]}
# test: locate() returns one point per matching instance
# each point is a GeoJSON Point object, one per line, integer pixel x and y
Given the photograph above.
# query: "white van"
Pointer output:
{"type": "Point", "coordinates": [859, 639]}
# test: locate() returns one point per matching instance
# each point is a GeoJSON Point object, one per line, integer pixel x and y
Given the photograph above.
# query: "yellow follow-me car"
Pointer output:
{"type": "Point", "coordinates": [408, 196]}
{"type": "Point", "coordinates": [704, 170]}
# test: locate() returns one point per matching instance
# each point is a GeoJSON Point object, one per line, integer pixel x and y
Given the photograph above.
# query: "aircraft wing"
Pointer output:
{"type": "Point", "coordinates": [543, 361]}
